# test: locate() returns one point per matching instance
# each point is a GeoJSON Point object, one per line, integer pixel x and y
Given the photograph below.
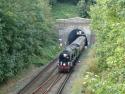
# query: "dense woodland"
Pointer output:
{"type": "Point", "coordinates": [28, 36]}
{"type": "Point", "coordinates": [108, 22]}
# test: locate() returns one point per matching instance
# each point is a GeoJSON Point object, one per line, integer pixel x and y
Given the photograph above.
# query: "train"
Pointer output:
{"type": "Point", "coordinates": [69, 56]}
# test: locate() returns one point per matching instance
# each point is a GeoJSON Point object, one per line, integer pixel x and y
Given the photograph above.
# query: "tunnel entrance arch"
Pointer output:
{"type": "Point", "coordinates": [65, 26]}
{"type": "Point", "coordinates": [74, 34]}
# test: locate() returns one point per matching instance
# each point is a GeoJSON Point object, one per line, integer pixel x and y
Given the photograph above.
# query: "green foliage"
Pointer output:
{"type": "Point", "coordinates": [69, 1]}
{"type": "Point", "coordinates": [25, 31]}
{"type": "Point", "coordinates": [64, 10]}
{"type": "Point", "coordinates": [109, 24]}
{"type": "Point", "coordinates": [109, 27]}
{"type": "Point", "coordinates": [112, 82]}
{"type": "Point", "coordinates": [52, 2]}
{"type": "Point", "coordinates": [84, 7]}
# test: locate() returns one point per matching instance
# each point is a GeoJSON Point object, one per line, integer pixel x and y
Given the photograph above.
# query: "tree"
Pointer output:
{"type": "Point", "coordinates": [71, 1]}
{"type": "Point", "coordinates": [108, 22]}
{"type": "Point", "coordinates": [84, 7]}
{"type": "Point", "coordinates": [25, 32]}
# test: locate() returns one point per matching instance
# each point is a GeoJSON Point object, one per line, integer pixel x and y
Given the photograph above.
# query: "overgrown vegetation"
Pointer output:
{"type": "Point", "coordinates": [26, 35]}
{"type": "Point", "coordinates": [69, 1]}
{"type": "Point", "coordinates": [84, 7]}
{"type": "Point", "coordinates": [64, 10]}
{"type": "Point", "coordinates": [108, 21]}
{"type": "Point", "coordinates": [71, 8]}
{"type": "Point", "coordinates": [54, 2]}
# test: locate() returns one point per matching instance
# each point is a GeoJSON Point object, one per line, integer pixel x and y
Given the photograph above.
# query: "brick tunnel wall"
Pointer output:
{"type": "Point", "coordinates": [65, 26]}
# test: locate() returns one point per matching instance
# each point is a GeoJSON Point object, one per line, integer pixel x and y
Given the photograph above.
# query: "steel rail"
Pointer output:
{"type": "Point", "coordinates": [48, 84]}
{"type": "Point", "coordinates": [59, 91]}
{"type": "Point", "coordinates": [37, 76]}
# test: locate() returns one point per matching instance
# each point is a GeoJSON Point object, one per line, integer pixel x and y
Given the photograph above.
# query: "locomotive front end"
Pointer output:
{"type": "Point", "coordinates": [64, 64]}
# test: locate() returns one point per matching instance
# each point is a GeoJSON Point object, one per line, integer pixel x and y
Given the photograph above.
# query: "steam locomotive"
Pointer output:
{"type": "Point", "coordinates": [70, 54]}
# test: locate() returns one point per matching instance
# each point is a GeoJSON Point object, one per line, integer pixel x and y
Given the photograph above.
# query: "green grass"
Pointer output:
{"type": "Point", "coordinates": [64, 10]}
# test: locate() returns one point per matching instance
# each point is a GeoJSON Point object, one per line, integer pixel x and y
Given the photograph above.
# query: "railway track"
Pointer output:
{"type": "Point", "coordinates": [45, 87]}
{"type": "Point", "coordinates": [41, 77]}
{"type": "Point", "coordinates": [62, 85]}
{"type": "Point", "coordinates": [46, 80]}
{"type": "Point", "coordinates": [48, 84]}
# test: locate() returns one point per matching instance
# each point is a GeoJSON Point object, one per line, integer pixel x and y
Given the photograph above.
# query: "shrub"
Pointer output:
{"type": "Point", "coordinates": [108, 22]}
{"type": "Point", "coordinates": [52, 2]}
{"type": "Point", "coordinates": [84, 7]}
{"type": "Point", "coordinates": [70, 1]}
{"type": "Point", "coordinates": [25, 30]}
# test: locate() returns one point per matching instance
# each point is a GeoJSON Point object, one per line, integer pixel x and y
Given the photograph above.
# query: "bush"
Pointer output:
{"type": "Point", "coordinates": [52, 2]}
{"type": "Point", "coordinates": [70, 1]}
{"type": "Point", "coordinates": [108, 22]}
{"type": "Point", "coordinates": [25, 30]}
{"type": "Point", "coordinates": [84, 7]}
